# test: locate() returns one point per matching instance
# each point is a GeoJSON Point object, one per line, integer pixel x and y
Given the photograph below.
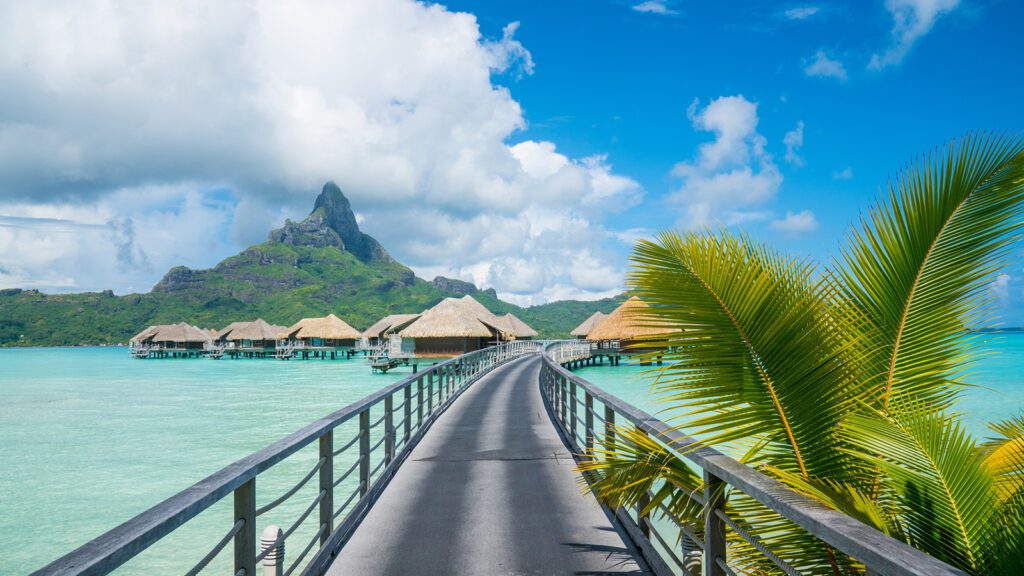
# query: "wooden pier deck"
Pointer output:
{"type": "Point", "coordinates": [491, 490]}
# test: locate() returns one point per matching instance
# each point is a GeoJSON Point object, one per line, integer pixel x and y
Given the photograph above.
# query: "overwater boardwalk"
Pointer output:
{"type": "Point", "coordinates": [491, 490]}
{"type": "Point", "coordinates": [460, 469]}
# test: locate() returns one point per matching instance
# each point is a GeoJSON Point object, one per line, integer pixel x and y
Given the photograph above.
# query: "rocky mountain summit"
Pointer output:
{"type": "Point", "coordinates": [332, 223]}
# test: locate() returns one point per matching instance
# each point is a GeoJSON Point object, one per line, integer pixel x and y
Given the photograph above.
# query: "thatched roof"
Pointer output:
{"type": "Point", "coordinates": [329, 327]}
{"type": "Point", "coordinates": [588, 324]}
{"type": "Point", "coordinates": [180, 332]}
{"type": "Point", "coordinates": [455, 318]}
{"type": "Point", "coordinates": [517, 327]}
{"type": "Point", "coordinates": [389, 324]}
{"type": "Point", "coordinates": [257, 330]}
{"type": "Point", "coordinates": [625, 323]}
{"type": "Point", "coordinates": [142, 336]}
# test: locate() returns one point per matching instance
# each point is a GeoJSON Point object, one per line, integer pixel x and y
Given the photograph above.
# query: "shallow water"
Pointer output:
{"type": "Point", "coordinates": [996, 387]}
{"type": "Point", "coordinates": [92, 437]}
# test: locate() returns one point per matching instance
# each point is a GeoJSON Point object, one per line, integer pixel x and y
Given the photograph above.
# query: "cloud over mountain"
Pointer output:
{"type": "Point", "coordinates": [196, 126]}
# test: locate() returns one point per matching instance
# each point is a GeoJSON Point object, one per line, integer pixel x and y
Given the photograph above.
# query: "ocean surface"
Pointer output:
{"type": "Point", "coordinates": [92, 437]}
{"type": "Point", "coordinates": [995, 391]}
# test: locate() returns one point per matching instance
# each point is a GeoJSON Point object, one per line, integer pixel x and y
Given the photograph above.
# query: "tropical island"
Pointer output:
{"type": "Point", "coordinates": [321, 265]}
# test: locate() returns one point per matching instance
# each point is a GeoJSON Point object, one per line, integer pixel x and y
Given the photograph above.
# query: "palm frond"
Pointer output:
{"type": "Point", "coordinates": [751, 356]}
{"type": "Point", "coordinates": [845, 498]}
{"type": "Point", "coordinates": [914, 273]}
{"type": "Point", "coordinates": [939, 475]}
{"type": "Point", "coordinates": [637, 464]}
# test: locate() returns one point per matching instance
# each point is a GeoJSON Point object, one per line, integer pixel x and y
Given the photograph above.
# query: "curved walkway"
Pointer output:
{"type": "Point", "coordinates": [491, 489]}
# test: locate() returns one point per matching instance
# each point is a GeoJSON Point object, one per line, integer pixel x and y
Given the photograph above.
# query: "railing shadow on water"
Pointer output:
{"type": "Point", "coordinates": [672, 546]}
{"type": "Point", "coordinates": [384, 427]}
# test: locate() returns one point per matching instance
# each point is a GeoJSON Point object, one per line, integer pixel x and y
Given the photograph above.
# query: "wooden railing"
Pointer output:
{"type": "Point", "coordinates": [407, 409]}
{"type": "Point", "coordinates": [569, 396]}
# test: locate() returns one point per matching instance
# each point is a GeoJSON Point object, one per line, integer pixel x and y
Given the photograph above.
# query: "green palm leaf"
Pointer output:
{"type": "Point", "coordinates": [914, 273]}
{"type": "Point", "coordinates": [752, 358]}
{"type": "Point", "coordinates": [946, 491]}
{"type": "Point", "coordinates": [1004, 456]}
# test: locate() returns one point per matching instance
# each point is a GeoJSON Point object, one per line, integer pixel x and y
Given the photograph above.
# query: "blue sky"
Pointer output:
{"type": "Point", "coordinates": [617, 81]}
{"type": "Point", "coordinates": [519, 145]}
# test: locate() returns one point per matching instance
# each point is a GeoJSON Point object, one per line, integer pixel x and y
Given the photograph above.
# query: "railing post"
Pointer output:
{"type": "Point", "coordinates": [643, 518]}
{"type": "Point", "coordinates": [407, 407]}
{"type": "Point", "coordinates": [449, 379]}
{"type": "Point", "coordinates": [589, 418]}
{"type": "Point", "coordinates": [714, 527]}
{"type": "Point", "coordinates": [419, 400]}
{"type": "Point", "coordinates": [430, 394]}
{"type": "Point", "coordinates": [389, 429]}
{"type": "Point", "coordinates": [572, 411]}
{"type": "Point", "coordinates": [562, 393]}
{"type": "Point", "coordinates": [609, 429]}
{"type": "Point", "coordinates": [245, 539]}
{"type": "Point", "coordinates": [327, 484]}
{"type": "Point", "coordinates": [364, 452]}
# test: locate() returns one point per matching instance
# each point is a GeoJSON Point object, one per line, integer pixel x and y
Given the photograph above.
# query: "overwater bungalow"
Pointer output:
{"type": "Point", "coordinates": [329, 336]}
{"type": "Point", "coordinates": [516, 328]}
{"type": "Point", "coordinates": [454, 326]}
{"type": "Point", "coordinates": [256, 339]}
{"type": "Point", "coordinates": [624, 327]}
{"type": "Point", "coordinates": [170, 341]}
{"type": "Point", "coordinates": [377, 334]}
{"type": "Point", "coordinates": [580, 332]}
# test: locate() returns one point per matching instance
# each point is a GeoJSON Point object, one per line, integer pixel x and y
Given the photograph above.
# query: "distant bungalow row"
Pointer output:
{"type": "Point", "coordinates": [454, 326]}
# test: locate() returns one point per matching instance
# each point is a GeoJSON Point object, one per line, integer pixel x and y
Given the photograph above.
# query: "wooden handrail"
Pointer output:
{"type": "Point", "coordinates": [881, 554]}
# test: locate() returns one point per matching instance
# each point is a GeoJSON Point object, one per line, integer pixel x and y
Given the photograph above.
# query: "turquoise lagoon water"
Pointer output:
{"type": "Point", "coordinates": [996, 391]}
{"type": "Point", "coordinates": [91, 437]}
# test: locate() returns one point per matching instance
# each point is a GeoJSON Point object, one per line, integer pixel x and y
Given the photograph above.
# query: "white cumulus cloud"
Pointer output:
{"type": "Point", "coordinates": [796, 223]}
{"type": "Point", "coordinates": [794, 140]}
{"type": "Point", "coordinates": [822, 66]}
{"type": "Point", "coordinates": [732, 175]}
{"type": "Point", "coordinates": [655, 7]}
{"type": "Point", "coordinates": [912, 19]}
{"type": "Point", "coordinates": [235, 113]}
{"type": "Point", "coordinates": [844, 174]}
{"type": "Point", "coordinates": [999, 287]}
{"type": "Point", "coordinates": [801, 12]}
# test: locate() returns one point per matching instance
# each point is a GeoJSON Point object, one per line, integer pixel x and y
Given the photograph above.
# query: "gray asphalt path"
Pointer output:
{"type": "Point", "coordinates": [491, 489]}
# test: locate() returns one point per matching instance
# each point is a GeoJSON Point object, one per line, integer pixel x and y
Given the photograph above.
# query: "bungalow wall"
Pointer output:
{"type": "Point", "coordinates": [448, 346]}
{"type": "Point", "coordinates": [170, 345]}
{"type": "Point", "coordinates": [329, 343]}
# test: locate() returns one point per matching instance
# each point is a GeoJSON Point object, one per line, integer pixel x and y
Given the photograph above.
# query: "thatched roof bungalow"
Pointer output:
{"type": "Point", "coordinates": [327, 332]}
{"type": "Point", "coordinates": [587, 325]}
{"type": "Point", "coordinates": [625, 324]}
{"type": "Point", "coordinates": [455, 326]}
{"type": "Point", "coordinates": [387, 325]}
{"type": "Point", "coordinates": [517, 328]}
{"type": "Point", "coordinates": [179, 336]}
{"type": "Point", "coordinates": [256, 334]}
